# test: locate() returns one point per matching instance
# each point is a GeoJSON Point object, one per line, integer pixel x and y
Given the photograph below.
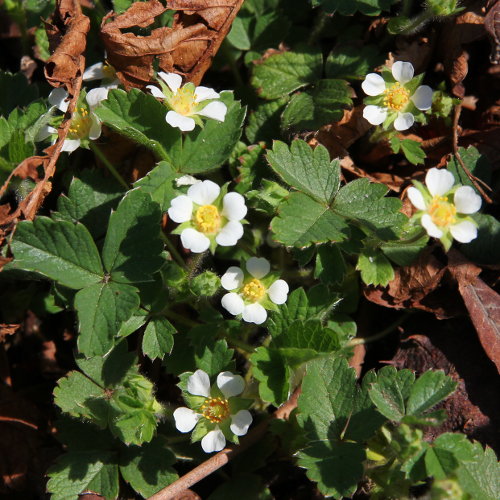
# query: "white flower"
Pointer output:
{"type": "Point", "coordinates": [443, 209]}
{"type": "Point", "coordinates": [397, 99]}
{"type": "Point", "coordinates": [187, 103]}
{"type": "Point", "coordinates": [104, 72]}
{"type": "Point", "coordinates": [85, 124]}
{"type": "Point", "coordinates": [207, 218]}
{"type": "Point", "coordinates": [250, 293]}
{"type": "Point", "coordinates": [218, 408]}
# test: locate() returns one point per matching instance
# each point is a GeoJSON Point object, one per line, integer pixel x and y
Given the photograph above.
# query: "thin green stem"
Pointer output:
{"type": "Point", "coordinates": [240, 344]}
{"type": "Point", "coordinates": [417, 22]}
{"type": "Point", "coordinates": [95, 149]}
{"type": "Point", "coordinates": [180, 319]}
{"type": "Point", "coordinates": [380, 335]}
{"type": "Point", "coordinates": [173, 251]}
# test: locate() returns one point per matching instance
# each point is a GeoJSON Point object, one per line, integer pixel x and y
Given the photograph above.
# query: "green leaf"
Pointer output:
{"type": "Point", "coordinates": [102, 308]}
{"type": "Point", "coordinates": [209, 147]}
{"type": "Point", "coordinates": [60, 250]}
{"type": "Point", "coordinates": [90, 201]}
{"type": "Point", "coordinates": [15, 90]}
{"type": "Point", "coordinates": [160, 184]}
{"type": "Point", "coordinates": [18, 148]}
{"type": "Point", "coordinates": [440, 463]}
{"type": "Point", "coordinates": [375, 267]}
{"type": "Point", "coordinates": [364, 201]}
{"type": "Point", "coordinates": [283, 73]}
{"type": "Point", "coordinates": [484, 249]}
{"type": "Point", "coordinates": [81, 471]}
{"type": "Point", "coordinates": [158, 338]}
{"type": "Point", "coordinates": [477, 164]}
{"type": "Point", "coordinates": [140, 117]}
{"type": "Point", "coordinates": [214, 358]}
{"type": "Point", "coordinates": [307, 335]}
{"type": "Point", "coordinates": [132, 248]}
{"type": "Point", "coordinates": [352, 62]}
{"type": "Point", "coordinates": [302, 222]}
{"type": "Point", "coordinates": [430, 389]}
{"type": "Point", "coordinates": [323, 103]}
{"type": "Point", "coordinates": [411, 149]}
{"type": "Point", "coordinates": [238, 35]}
{"type": "Point", "coordinates": [349, 7]}
{"type": "Point", "coordinates": [264, 121]}
{"type": "Point", "coordinates": [148, 468]}
{"type": "Point", "coordinates": [306, 169]}
{"type": "Point", "coordinates": [330, 265]}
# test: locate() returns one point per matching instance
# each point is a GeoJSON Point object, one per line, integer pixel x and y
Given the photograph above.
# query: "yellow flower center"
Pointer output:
{"type": "Point", "coordinates": [215, 409]}
{"type": "Point", "coordinates": [207, 219]}
{"type": "Point", "coordinates": [80, 124]}
{"type": "Point", "coordinates": [441, 211]}
{"type": "Point", "coordinates": [108, 71]}
{"type": "Point", "coordinates": [183, 101]}
{"type": "Point", "coordinates": [253, 291]}
{"type": "Point", "coordinates": [396, 97]}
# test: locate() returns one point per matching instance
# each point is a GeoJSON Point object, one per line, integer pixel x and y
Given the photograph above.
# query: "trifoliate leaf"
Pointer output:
{"type": "Point", "coordinates": [140, 117]}
{"type": "Point", "coordinates": [375, 267]}
{"type": "Point", "coordinates": [302, 222]}
{"type": "Point", "coordinates": [306, 169]}
{"type": "Point", "coordinates": [158, 339]}
{"type": "Point", "coordinates": [323, 103]}
{"type": "Point", "coordinates": [160, 184]}
{"type": "Point", "coordinates": [283, 73]}
{"type": "Point", "coordinates": [102, 308]}
{"type": "Point", "coordinates": [132, 247]}
{"type": "Point", "coordinates": [60, 250]}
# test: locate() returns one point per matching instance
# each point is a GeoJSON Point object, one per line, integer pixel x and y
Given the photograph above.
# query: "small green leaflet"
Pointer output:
{"type": "Point", "coordinates": [158, 338]}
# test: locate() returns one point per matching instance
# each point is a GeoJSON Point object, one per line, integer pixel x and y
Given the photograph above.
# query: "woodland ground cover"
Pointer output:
{"type": "Point", "coordinates": [249, 249]}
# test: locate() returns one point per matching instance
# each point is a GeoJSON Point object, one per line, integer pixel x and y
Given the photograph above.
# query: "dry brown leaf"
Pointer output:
{"type": "Point", "coordinates": [492, 25]}
{"type": "Point", "coordinates": [187, 48]}
{"type": "Point", "coordinates": [8, 329]}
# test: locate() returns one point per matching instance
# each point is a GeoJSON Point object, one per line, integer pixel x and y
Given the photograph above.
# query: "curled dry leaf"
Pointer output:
{"type": "Point", "coordinates": [8, 329]}
{"type": "Point", "coordinates": [187, 48]}
{"type": "Point", "coordinates": [492, 25]}
{"type": "Point", "coordinates": [67, 35]}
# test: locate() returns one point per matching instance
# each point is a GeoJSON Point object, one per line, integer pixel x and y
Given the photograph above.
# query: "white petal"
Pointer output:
{"type": "Point", "coordinates": [185, 419]}
{"type": "Point", "coordinates": [402, 71]}
{"type": "Point", "coordinates": [374, 114]}
{"type": "Point", "coordinates": [439, 181]}
{"type": "Point", "coordinates": [464, 231]}
{"type": "Point", "coordinates": [194, 240]}
{"type": "Point", "coordinates": [241, 422]}
{"type": "Point", "coordinates": [213, 441]}
{"type": "Point", "coordinates": [184, 123]}
{"type": "Point", "coordinates": [416, 198]}
{"type": "Point", "coordinates": [70, 145]}
{"type": "Point", "coordinates": [204, 193]}
{"type": "Point", "coordinates": [186, 180]}
{"type": "Point", "coordinates": [58, 98]}
{"type": "Point", "coordinates": [373, 84]}
{"type": "Point", "coordinates": [404, 121]}
{"type": "Point", "coordinates": [198, 384]}
{"type": "Point", "coordinates": [216, 110]}
{"type": "Point", "coordinates": [44, 132]}
{"type": "Point", "coordinates": [204, 93]}
{"type": "Point", "coordinates": [230, 234]}
{"type": "Point", "coordinates": [234, 207]}
{"type": "Point", "coordinates": [173, 80]}
{"type": "Point", "coordinates": [233, 303]}
{"type": "Point", "coordinates": [93, 72]}
{"type": "Point", "coordinates": [232, 278]}
{"type": "Point", "coordinates": [466, 200]}
{"type": "Point", "coordinates": [95, 127]}
{"type": "Point", "coordinates": [430, 227]}
{"type": "Point", "coordinates": [181, 209]}
{"type": "Point", "coordinates": [422, 98]}
{"type": "Point", "coordinates": [230, 384]}
{"type": "Point", "coordinates": [258, 267]}
{"type": "Point", "coordinates": [254, 313]}
{"type": "Point", "coordinates": [156, 92]}
{"type": "Point", "coordinates": [95, 96]}
{"type": "Point", "coordinates": [278, 291]}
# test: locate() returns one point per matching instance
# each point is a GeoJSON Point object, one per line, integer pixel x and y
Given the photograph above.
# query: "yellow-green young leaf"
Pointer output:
{"type": "Point", "coordinates": [132, 248]}
{"type": "Point", "coordinates": [140, 117]}
{"type": "Point", "coordinates": [158, 338]}
{"type": "Point", "coordinates": [160, 184]}
{"type": "Point", "coordinates": [283, 73]}
{"type": "Point", "coordinates": [102, 308]}
{"type": "Point", "coordinates": [375, 268]}
{"type": "Point", "coordinates": [323, 103]}
{"type": "Point", "coordinates": [303, 221]}
{"type": "Point", "coordinates": [209, 147]}
{"type": "Point", "coordinates": [60, 250]}
{"type": "Point", "coordinates": [306, 169]}
{"type": "Point", "coordinates": [81, 471]}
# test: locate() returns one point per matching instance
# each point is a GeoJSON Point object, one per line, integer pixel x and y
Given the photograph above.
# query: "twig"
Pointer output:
{"type": "Point", "coordinates": [223, 457]}
{"type": "Point", "coordinates": [372, 338]}
{"type": "Point", "coordinates": [476, 181]}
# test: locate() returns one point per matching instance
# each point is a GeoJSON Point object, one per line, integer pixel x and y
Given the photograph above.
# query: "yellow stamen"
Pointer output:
{"type": "Point", "coordinates": [80, 124]}
{"type": "Point", "coordinates": [396, 97]}
{"type": "Point", "coordinates": [183, 101]}
{"type": "Point", "coordinates": [253, 291]}
{"type": "Point", "coordinates": [108, 71]}
{"type": "Point", "coordinates": [215, 409]}
{"type": "Point", "coordinates": [207, 219]}
{"type": "Point", "coordinates": [441, 211]}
